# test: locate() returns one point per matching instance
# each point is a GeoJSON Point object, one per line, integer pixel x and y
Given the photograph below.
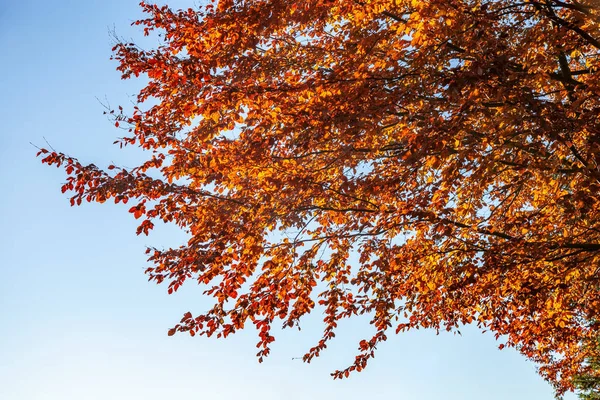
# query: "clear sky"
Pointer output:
{"type": "Point", "coordinates": [78, 320]}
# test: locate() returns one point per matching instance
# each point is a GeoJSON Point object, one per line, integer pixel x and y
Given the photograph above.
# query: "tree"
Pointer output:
{"type": "Point", "coordinates": [588, 385]}
{"type": "Point", "coordinates": [429, 164]}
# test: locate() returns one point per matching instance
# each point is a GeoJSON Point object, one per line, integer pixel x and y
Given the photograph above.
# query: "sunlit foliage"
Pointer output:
{"type": "Point", "coordinates": [428, 163]}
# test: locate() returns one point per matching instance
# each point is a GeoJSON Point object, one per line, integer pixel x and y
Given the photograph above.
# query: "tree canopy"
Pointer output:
{"type": "Point", "coordinates": [428, 163]}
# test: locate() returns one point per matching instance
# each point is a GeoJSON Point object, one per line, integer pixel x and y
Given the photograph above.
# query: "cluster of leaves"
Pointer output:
{"type": "Point", "coordinates": [429, 163]}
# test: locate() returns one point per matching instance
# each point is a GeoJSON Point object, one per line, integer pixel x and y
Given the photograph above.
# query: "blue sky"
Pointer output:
{"type": "Point", "coordinates": [79, 319]}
